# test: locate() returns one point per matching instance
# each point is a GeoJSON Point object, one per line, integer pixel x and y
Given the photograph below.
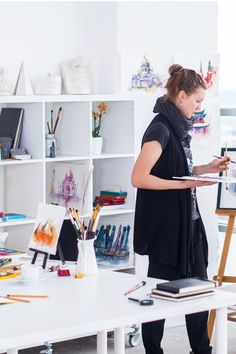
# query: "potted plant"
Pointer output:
{"type": "Point", "coordinates": [98, 115]}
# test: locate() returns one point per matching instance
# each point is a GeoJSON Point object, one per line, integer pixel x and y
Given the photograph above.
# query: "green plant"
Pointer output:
{"type": "Point", "coordinates": [102, 109]}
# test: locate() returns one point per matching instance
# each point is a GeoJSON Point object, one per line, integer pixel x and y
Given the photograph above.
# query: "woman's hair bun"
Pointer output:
{"type": "Point", "coordinates": [174, 69]}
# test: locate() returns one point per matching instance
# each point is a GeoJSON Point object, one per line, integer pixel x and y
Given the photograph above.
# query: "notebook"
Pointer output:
{"type": "Point", "coordinates": [183, 297]}
{"type": "Point", "coordinates": [11, 122]}
{"type": "Point", "coordinates": [181, 286]}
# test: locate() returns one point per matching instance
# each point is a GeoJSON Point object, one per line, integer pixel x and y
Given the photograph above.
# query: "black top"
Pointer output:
{"type": "Point", "coordinates": [163, 218]}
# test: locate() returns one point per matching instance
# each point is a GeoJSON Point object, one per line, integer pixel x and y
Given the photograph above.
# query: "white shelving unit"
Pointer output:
{"type": "Point", "coordinates": [23, 184]}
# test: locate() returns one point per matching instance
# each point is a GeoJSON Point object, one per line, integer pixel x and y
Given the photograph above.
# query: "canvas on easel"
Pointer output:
{"type": "Point", "coordinates": [47, 229]}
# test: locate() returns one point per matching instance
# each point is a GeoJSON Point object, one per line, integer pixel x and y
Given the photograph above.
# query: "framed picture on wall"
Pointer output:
{"type": "Point", "coordinates": [226, 196]}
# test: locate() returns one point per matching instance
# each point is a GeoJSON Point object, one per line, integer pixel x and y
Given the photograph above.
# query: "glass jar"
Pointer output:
{"type": "Point", "coordinates": [50, 145]}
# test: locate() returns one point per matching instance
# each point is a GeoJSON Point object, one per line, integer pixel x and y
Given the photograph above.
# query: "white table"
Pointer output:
{"type": "Point", "coordinates": [80, 307]}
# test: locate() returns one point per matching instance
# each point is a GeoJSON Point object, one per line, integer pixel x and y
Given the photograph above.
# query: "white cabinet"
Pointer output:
{"type": "Point", "coordinates": [23, 184]}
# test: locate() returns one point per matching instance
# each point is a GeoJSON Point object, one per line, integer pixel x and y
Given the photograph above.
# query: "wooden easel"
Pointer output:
{"type": "Point", "coordinates": [221, 277]}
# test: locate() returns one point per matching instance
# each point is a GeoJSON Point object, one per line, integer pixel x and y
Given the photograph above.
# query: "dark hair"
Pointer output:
{"type": "Point", "coordinates": [183, 79]}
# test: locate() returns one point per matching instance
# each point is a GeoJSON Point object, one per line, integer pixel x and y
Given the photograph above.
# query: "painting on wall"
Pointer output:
{"type": "Point", "coordinates": [113, 246]}
{"type": "Point", "coordinates": [144, 72]}
{"type": "Point", "coordinates": [206, 124]}
{"type": "Point", "coordinates": [68, 185]}
{"type": "Point", "coordinates": [206, 64]}
{"type": "Point", "coordinates": [47, 228]}
{"type": "Point", "coordinates": [226, 196]}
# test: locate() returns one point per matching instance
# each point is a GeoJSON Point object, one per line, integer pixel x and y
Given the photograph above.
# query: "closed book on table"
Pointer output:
{"type": "Point", "coordinates": [185, 285]}
{"type": "Point", "coordinates": [113, 194]}
{"type": "Point", "coordinates": [183, 297]}
{"type": "Point", "coordinates": [190, 293]}
{"type": "Point", "coordinates": [11, 122]}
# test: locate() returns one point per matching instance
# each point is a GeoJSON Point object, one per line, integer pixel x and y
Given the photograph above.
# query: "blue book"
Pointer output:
{"type": "Point", "coordinates": [14, 216]}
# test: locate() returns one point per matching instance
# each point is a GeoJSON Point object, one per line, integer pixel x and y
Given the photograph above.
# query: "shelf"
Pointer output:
{"type": "Point", "coordinates": [25, 221]}
{"type": "Point", "coordinates": [111, 156]}
{"type": "Point", "coordinates": [66, 158]}
{"type": "Point", "coordinates": [116, 211]}
{"type": "Point", "coordinates": [26, 183]}
{"type": "Point", "coordinates": [20, 162]}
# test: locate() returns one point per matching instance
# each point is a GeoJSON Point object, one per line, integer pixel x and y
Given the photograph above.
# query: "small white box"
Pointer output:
{"type": "Point", "coordinates": [47, 85]}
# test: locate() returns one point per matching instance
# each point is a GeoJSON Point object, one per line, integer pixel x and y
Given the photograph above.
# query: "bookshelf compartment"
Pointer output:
{"type": "Point", "coordinates": [32, 131]}
{"type": "Point", "coordinates": [118, 127]}
{"type": "Point", "coordinates": [114, 172]}
{"type": "Point", "coordinates": [24, 188]}
{"type": "Point", "coordinates": [72, 132]}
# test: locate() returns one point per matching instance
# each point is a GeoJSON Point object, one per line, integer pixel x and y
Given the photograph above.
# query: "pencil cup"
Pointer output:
{"type": "Point", "coordinates": [86, 262]}
{"type": "Point", "coordinates": [50, 145]}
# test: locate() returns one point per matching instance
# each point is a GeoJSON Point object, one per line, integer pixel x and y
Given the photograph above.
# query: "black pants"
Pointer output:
{"type": "Point", "coordinates": [196, 324]}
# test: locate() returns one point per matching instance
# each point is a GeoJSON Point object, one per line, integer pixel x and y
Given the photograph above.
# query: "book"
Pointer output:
{"type": "Point", "coordinates": [182, 298]}
{"type": "Point", "coordinates": [206, 178]}
{"type": "Point", "coordinates": [12, 216]}
{"type": "Point", "coordinates": [9, 253]}
{"type": "Point", "coordinates": [11, 122]}
{"type": "Point", "coordinates": [113, 194]}
{"type": "Point", "coordinates": [181, 286]}
{"type": "Point", "coordinates": [189, 293]}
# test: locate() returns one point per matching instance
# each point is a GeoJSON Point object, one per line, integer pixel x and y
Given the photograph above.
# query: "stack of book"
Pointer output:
{"type": "Point", "coordinates": [184, 289]}
{"type": "Point", "coordinates": [111, 199]}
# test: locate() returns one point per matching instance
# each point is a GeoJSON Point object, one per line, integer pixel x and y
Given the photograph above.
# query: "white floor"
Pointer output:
{"type": "Point", "coordinates": [175, 341]}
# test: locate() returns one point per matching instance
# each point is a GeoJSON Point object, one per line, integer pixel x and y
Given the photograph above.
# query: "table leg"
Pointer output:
{"type": "Point", "coordinates": [102, 342]}
{"type": "Point", "coordinates": [119, 340]}
{"type": "Point", "coordinates": [12, 351]}
{"type": "Point", "coordinates": [221, 331]}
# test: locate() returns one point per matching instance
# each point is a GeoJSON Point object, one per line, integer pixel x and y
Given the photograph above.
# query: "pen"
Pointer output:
{"type": "Point", "coordinates": [221, 157]}
{"type": "Point", "coordinates": [135, 287]}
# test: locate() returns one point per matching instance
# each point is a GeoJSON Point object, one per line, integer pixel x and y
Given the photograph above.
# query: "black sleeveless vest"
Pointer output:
{"type": "Point", "coordinates": [163, 218]}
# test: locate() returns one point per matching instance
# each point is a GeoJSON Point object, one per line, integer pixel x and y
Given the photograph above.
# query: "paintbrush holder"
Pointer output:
{"type": "Point", "coordinates": [50, 145]}
{"type": "Point", "coordinates": [86, 262]}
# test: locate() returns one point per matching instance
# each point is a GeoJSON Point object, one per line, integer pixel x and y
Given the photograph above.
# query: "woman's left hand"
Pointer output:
{"type": "Point", "coordinates": [218, 165]}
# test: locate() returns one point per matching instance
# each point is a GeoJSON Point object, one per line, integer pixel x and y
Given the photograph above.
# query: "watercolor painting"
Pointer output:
{"type": "Point", "coordinates": [68, 185]}
{"type": "Point", "coordinates": [144, 72]}
{"type": "Point", "coordinates": [112, 246]}
{"type": "Point", "coordinates": [47, 228]}
{"type": "Point", "coordinates": [206, 64]}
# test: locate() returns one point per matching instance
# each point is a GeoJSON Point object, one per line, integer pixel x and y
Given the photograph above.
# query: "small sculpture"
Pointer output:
{"type": "Point", "coordinates": [4, 85]}
{"type": "Point", "coordinates": [76, 75]}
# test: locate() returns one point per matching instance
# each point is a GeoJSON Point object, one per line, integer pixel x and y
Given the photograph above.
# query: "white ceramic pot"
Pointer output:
{"type": "Point", "coordinates": [97, 145]}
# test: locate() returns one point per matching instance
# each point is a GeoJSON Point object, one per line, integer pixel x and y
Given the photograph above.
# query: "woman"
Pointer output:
{"type": "Point", "coordinates": [168, 226]}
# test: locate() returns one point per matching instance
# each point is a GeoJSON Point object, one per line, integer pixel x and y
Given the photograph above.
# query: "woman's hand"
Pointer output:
{"type": "Point", "coordinates": [219, 165]}
{"type": "Point", "coordinates": [215, 166]}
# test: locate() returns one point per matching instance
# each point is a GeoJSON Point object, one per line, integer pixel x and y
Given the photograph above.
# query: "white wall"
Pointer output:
{"type": "Point", "coordinates": [45, 33]}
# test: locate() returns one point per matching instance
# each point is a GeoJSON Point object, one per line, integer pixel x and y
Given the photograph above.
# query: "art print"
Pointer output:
{"type": "Point", "coordinates": [144, 72]}
{"type": "Point", "coordinates": [113, 247]}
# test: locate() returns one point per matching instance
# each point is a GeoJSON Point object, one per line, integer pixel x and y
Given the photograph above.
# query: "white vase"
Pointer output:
{"type": "Point", "coordinates": [86, 262]}
{"type": "Point", "coordinates": [97, 145]}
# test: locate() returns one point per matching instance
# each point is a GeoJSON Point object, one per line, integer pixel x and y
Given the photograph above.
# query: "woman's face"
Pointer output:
{"type": "Point", "coordinates": [189, 104]}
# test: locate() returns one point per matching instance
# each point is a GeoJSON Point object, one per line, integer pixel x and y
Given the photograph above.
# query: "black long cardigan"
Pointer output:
{"type": "Point", "coordinates": [163, 218]}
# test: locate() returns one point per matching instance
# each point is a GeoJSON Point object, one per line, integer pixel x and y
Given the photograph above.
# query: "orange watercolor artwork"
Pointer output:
{"type": "Point", "coordinates": [46, 234]}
